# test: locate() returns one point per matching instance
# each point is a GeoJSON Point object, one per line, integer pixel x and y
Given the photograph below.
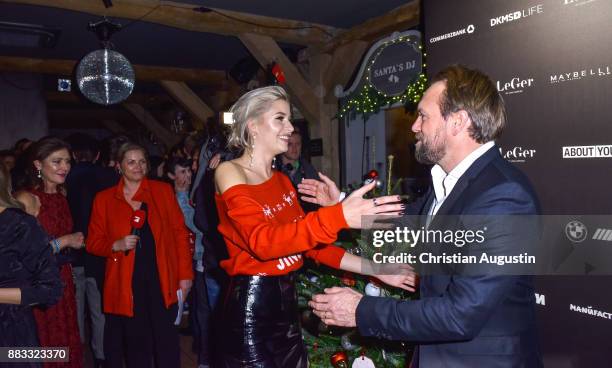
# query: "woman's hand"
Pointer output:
{"type": "Point", "coordinates": [185, 285]}
{"type": "Point", "coordinates": [355, 206]}
{"type": "Point", "coordinates": [74, 240]}
{"type": "Point", "coordinates": [324, 193]}
{"type": "Point", "coordinates": [403, 277]}
{"type": "Point", "coordinates": [126, 243]}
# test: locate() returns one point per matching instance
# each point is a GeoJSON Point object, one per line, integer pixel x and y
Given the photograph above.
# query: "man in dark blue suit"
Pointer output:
{"type": "Point", "coordinates": [461, 319]}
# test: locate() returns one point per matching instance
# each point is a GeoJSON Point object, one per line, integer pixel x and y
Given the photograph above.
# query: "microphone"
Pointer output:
{"type": "Point", "coordinates": [138, 220]}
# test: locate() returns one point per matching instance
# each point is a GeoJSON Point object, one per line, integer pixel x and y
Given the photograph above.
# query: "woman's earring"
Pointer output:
{"type": "Point", "coordinates": [39, 174]}
{"type": "Point", "coordinates": [251, 153]}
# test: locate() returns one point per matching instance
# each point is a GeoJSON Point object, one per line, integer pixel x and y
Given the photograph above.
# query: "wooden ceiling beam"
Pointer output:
{"type": "Point", "coordinates": [74, 98]}
{"type": "Point", "coordinates": [190, 101]}
{"type": "Point", "coordinates": [266, 50]}
{"type": "Point", "coordinates": [344, 61]}
{"type": "Point", "coordinates": [211, 20]}
{"type": "Point", "coordinates": [214, 78]}
{"type": "Point", "coordinates": [399, 19]}
{"type": "Point", "coordinates": [163, 135]}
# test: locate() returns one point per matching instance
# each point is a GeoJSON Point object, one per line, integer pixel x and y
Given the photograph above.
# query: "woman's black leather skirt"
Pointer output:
{"type": "Point", "coordinates": [259, 326]}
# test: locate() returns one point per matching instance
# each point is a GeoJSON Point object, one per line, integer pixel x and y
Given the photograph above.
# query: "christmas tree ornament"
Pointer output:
{"type": "Point", "coordinates": [348, 279]}
{"type": "Point", "coordinates": [339, 360]}
{"type": "Point", "coordinates": [346, 343]}
{"type": "Point", "coordinates": [372, 289]}
{"type": "Point", "coordinates": [370, 177]}
{"type": "Point", "coordinates": [363, 362]}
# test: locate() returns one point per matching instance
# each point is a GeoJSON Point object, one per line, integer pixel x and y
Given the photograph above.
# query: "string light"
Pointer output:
{"type": "Point", "coordinates": [368, 99]}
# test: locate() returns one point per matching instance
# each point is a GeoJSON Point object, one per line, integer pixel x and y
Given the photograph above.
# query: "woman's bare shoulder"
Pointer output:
{"type": "Point", "coordinates": [227, 175]}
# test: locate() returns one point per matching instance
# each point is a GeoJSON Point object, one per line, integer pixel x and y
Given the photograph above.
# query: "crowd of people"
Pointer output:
{"type": "Point", "coordinates": [97, 227]}
{"type": "Point", "coordinates": [115, 243]}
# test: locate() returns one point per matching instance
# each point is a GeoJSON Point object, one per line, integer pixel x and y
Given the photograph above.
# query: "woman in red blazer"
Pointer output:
{"type": "Point", "coordinates": [145, 268]}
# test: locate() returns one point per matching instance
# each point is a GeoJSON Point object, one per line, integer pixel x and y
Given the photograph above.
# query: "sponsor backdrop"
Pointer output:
{"type": "Point", "coordinates": [552, 61]}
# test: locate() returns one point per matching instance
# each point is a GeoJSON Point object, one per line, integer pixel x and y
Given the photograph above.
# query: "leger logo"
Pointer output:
{"type": "Point", "coordinates": [515, 85]}
{"type": "Point", "coordinates": [517, 154]}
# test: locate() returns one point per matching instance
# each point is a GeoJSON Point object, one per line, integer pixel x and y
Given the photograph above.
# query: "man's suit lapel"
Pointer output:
{"type": "Point", "coordinates": [465, 180]}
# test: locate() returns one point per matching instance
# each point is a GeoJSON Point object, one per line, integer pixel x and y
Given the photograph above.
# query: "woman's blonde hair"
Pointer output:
{"type": "Point", "coordinates": [249, 106]}
{"type": "Point", "coordinates": [6, 197]}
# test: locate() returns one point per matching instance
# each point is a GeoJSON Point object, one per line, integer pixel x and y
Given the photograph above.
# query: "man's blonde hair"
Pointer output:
{"type": "Point", "coordinates": [473, 91]}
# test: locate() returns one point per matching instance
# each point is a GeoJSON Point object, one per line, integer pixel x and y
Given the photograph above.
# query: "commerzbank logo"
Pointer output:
{"type": "Point", "coordinates": [469, 29]}
{"type": "Point", "coordinates": [517, 15]}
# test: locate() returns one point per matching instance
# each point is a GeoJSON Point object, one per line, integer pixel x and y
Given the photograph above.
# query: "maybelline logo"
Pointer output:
{"type": "Point", "coordinates": [601, 151]}
{"type": "Point", "coordinates": [577, 2]}
{"type": "Point", "coordinates": [517, 154]}
{"type": "Point", "coordinates": [463, 31]}
{"type": "Point", "coordinates": [514, 85]}
{"type": "Point", "coordinates": [516, 15]}
{"type": "Point", "coordinates": [603, 235]}
{"type": "Point", "coordinates": [540, 299]}
{"type": "Point", "coordinates": [577, 75]}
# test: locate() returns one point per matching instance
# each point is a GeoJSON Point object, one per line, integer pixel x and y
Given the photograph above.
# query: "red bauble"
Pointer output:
{"type": "Point", "coordinates": [348, 279]}
{"type": "Point", "coordinates": [339, 359]}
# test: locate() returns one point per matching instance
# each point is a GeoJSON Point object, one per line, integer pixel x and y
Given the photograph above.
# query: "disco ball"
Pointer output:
{"type": "Point", "coordinates": [105, 77]}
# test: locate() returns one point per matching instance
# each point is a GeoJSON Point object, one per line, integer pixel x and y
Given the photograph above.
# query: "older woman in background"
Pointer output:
{"type": "Point", "coordinates": [28, 273]}
{"type": "Point", "coordinates": [145, 269]}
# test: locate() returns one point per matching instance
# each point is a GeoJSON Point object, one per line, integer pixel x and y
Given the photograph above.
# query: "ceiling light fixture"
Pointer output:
{"type": "Point", "coordinates": [105, 76]}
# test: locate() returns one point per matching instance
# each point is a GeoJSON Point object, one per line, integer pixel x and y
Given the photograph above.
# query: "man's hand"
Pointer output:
{"type": "Point", "coordinates": [214, 161]}
{"type": "Point", "coordinates": [337, 307]}
{"type": "Point", "coordinates": [324, 193]}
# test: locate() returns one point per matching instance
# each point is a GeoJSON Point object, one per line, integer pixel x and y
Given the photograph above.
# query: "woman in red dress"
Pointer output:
{"type": "Point", "coordinates": [48, 167]}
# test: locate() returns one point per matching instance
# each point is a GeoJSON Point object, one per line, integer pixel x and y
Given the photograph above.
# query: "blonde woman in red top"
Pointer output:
{"type": "Point", "coordinates": [267, 235]}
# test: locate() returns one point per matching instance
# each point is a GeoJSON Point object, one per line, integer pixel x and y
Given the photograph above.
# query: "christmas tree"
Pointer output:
{"type": "Point", "coordinates": [342, 347]}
